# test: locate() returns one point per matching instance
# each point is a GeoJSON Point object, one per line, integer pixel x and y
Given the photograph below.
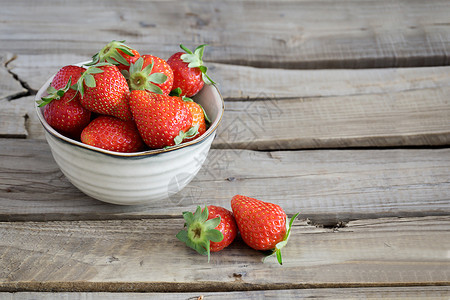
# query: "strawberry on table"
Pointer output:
{"type": "Point", "coordinates": [104, 90]}
{"type": "Point", "coordinates": [111, 133]}
{"type": "Point", "coordinates": [162, 120]}
{"type": "Point", "coordinates": [150, 73]}
{"type": "Point", "coordinates": [208, 230]}
{"type": "Point", "coordinates": [189, 71]}
{"type": "Point", "coordinates": [262, 224]}
{"type": "Point", "coordinates": [116, 53]}
{"type": "Point", "coordinates": [64, 112]}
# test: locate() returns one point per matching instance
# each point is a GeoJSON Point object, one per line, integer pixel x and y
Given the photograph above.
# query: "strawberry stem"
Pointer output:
{"type": "Point", "coordinates": [54, 94]}
{"type": "Point", "coordinates": [277, 251]}
{"type": "Point", "coordinates": [193, 131]}
{"type": "Point", "coordinates": [110, 54]}
{"type": "Point", "coordinates": [195, 60]}
{"type": "Point", "coordinates": [140, 78]}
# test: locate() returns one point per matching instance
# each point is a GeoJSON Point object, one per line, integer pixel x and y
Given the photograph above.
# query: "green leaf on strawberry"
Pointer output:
{"type": "Point", "coordinates": [277, 251]}
{"type": "Point", "coordinates": [140, 78]}
{"type": "Point", "coordinates": [88, 78]}
{"type": "Point", "coordinates": [54, 94]}
{"type": "Point", "coordinates": [193, 131]}
{"type": "Point", "coordinates": [195, 60]}
{"type": "Point", "coordinates": [199, 232]}
{"type": "Point", "coordinates": [110, 53]}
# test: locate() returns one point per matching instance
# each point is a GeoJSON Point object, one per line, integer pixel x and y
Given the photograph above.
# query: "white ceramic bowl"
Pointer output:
{"type": "Point", "coordinates": [133, 178]}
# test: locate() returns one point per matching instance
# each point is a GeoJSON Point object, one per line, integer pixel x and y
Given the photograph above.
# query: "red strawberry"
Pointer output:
{"type": "Point", "coordinates": [262, 224]}
{"type": "Point", "coordinates": [189, 71]}
{"type": "Point", "coordinates": [131, 59]}
{"type": "Point", "coordinates": [210, 229]}
{"type": "Point", "coordinates": [64, 112]}
{"type": "Point", "coordinates": [116, 53]}
{"type": "Point", "coordinates": [150, 73]}
{"type": "Point", "coordinates": [64, 74]}
{"type": "Point", "coordinates": [104, 91]}
{"type": "Point", "coordinates": [162, 120]}
{"type": "Point", "coordinates": [113, 134]}
{"type": "Point", "coordinates": [198, 117]}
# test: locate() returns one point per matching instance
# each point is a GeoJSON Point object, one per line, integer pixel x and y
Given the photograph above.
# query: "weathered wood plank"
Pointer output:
{"type": "Point", "coordinates": [287, 34]}
{"type": "Point", "coordinates": [323, 108]}
{"type": "Point", "coordinates": [412, 118]}
{"type": "Point", "coordinates": [9, 86]}
{"type": "Point", "coordinates": [126, 256]}
{"type": "Point", "coordinates": [423, 292]}
{"type": "Point", "coordinates": [242, 82]}
{"type": "Point", "coordinates": [18, 119]}
{"type": "Point", "coordinates": [326, 186]}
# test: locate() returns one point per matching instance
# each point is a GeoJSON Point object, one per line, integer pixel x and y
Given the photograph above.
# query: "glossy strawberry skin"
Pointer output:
{"type": "Point", "coordinates": [62, 76]}
{"type": "Point", "coordinates": [109, 96]}
{"type": "Point", "coordinates": [198, 117]}
{"type": "Point", "coordinates": [262, 225]}
{"type": "Point", "coordinates": [160, 66]}
{"type": "Point", "coordinates": [188, 79]}
{"type": "Point", "coordinates": [67, 115]}
{"type": "Point", "coordinates": [159, 118]}
{"type": "Point", "coordinates": [111, 133]}
{"type": "Point", "coordinates": [227, 226]}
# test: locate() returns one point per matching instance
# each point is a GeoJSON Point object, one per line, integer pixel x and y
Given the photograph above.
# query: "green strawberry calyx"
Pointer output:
{"type": "Point", "coordinates": [199, 232]}
{"type": "Point", "coordinates": [195, 60]}
{"type": "Point", "coordinates": [142, 78]}
{"type": "Point", "coordinates": [192, 132]}
{"type": "Point", "coordinates": [88, 77]}
{"type": "Point", "coordinates": [110, 54]}
{"type": "Point", "coordinates": [277, 250]}
{"type": "Point", "coordinates": [54, 94]}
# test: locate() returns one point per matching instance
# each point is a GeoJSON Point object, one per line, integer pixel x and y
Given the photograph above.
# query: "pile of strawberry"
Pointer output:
{"type": "Point", "coordinates": [127, 102]}
{"type": "Point", "coordinates": [262, 226]}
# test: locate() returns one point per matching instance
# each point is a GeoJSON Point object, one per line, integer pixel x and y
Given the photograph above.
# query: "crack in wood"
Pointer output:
{"type": "Point", "coordinates": [28, 90]}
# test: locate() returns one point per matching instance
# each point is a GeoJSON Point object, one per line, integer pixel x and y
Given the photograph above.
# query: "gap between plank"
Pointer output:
{"type": "Point", "coordinates": [205, 286]}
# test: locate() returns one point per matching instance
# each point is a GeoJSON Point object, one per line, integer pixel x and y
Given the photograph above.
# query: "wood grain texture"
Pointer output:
{"type": "Point", "coordinates": [287, 34]}
{"type": "Point", "coordinates": [9, 86]}
{"type": "Point", "coordinates": [393, 293]}
{"type": "Point", "coordinates": [311, 109]}
{"type": "Point", "coordinates": [413, 118]}
{"type": "Point", "coordinates": [126, 255]}
{"type": "Point", "coordinates": [18, 119]}
{"type": "Point", "coordinates": [326, 186]}
{"type": "Point", "coordinates": [243, 82]}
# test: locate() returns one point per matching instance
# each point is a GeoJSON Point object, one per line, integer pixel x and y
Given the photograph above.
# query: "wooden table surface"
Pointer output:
{"type": "Point", "coordinates": [337, 109]}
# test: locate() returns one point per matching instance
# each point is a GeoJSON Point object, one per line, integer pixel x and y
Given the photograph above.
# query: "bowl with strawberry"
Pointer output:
{"type": "Point", "coordinates": [130, 128]}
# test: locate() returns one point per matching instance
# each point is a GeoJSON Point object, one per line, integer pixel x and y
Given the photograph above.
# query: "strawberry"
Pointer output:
{"type": "Point", "coordinates": [189, 71]}
{"type": "Point", "coordinates": [116, 53]}
{"type": "Point", "coordinates": [104, 91]}
{"type": "Point", "coordinates": [111, 133]}
{"type": "Point", "coordinates": [262, 224]}
{"type": "Point", "coordinates": [150, 73]}
{"type": "Point", "coordinates": [208, 230]}
{"type": "Point", "coordinates": [199, 117]}
{"type": "Point", "coordinates": [64, 112]}
{"type": "Point", "coordinates": [64, 74]}
{"type": "Point", "coordinates": [162, 120]}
